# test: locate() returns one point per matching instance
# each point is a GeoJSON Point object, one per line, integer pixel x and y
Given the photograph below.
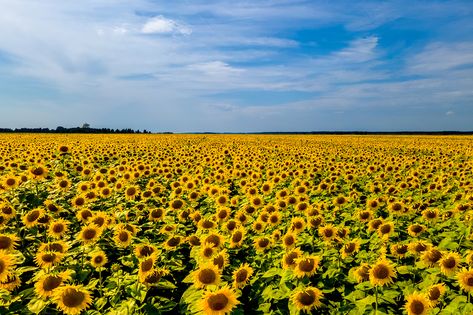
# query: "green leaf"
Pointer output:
{"type": "Point", "coordinates": [272, 272]}
{"type": "Point", "coordinates": [36, 305]}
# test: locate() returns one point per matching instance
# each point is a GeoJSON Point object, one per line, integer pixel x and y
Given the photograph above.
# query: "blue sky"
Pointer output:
{"type": "Point", "coordinates": [237, 66]}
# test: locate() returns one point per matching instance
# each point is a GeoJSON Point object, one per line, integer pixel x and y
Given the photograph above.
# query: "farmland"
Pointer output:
{"type": "Point", "coordinates": [220, 224]}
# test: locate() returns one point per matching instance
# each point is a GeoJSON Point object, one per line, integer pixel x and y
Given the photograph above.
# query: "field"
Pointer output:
{"type": "Point", "coordinates": [220, 224]}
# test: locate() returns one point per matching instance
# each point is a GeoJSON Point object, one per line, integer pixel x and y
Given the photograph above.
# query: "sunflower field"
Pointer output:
{"type": "Point", "coordinates": [236, 224]}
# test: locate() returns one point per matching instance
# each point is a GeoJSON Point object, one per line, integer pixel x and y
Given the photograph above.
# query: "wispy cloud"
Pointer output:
{"type": "Point", "coordinates": [161, 25]}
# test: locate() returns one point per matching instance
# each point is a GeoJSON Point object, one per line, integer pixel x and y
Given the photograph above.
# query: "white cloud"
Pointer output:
{"type": "Point", "coordinates": [438, 57]}
{"type": "Point", "coordinates": [214, 68]}
{"type": "Point", "coordinates": [161, 25]}
{"type": "Point", "coordinates": [450, 113]}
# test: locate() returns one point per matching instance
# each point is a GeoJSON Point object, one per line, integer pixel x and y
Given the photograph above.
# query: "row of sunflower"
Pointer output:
{"type": "Point", "coordinates": [151, 224]}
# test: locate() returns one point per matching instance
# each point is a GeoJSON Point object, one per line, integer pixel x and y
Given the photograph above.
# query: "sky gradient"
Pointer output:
{"type": "Point", "coordinates": [237, 66]}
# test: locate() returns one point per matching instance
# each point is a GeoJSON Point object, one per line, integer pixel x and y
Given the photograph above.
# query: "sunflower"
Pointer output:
{"type": "Point", "coordinates": [365, 215]}
{"type": "Point", "coordinates": [90, 234]}
{"type": "Point", "coordinates": [328, 232]}
{"type": "Point", "coordinates": [449, 263]}
{"type": "Point", "coordinates": [56, 246]}
{"type": "Point", "coordinates": [350, 248]}
{"type": "Point", "coordinates": [30, 219]}
{"type": "Point", "coordinates": [7, 211]}
{"type": "Point", "coordinates": [306, 266]}
{"type": "Point", "coordinates": [258, 226]}
{"type": "Point", "coordinates": [297, 224]}
{"type": "Point", "coordinates": [385, 230]}
{"type": "Point", "coordinates": [381, 273]}
{"type": "Point", "coordinates": [83, 215]}
{"type": "Point", "coordinates": [289, 240]}
{"type": "Point", "coordinates": [339, 201]}
{"type": "Point", "coordinates": [262, 243]}
{"type": "Point", "coordinates": [8, 242]}
{"type": "Point", "coordinates": [374, 224]}
{"type": "Point", "coordinates": [207, 274]}
{"type": "Point", "coordinates": [417, 304]}
{"type": "Point", "coordinates": [48, 259]}
{"type": "Point", "coordinates": [289, 258]}
{"type": "Point", "coordinates": [362, 273]}
{"type": "Point", "coordinates": [275, 218]}
{"type": "Point", "coordinates": [38, 172]}
{"type": "Point", "coordinates": [72, 299]}
{"type": "Point", "coordinates": [144, 250]}
{"type": "Point", "coordinates": [153, 278]}
{"type": "Point", "coordinates": [176, 204]}
{"type": "Point", "coordinates": [7, 263]}
{"type": "Point", "coordinates": [100, 219]}
{"type": "Point", "coordinates": [11, 283]}
{"type": "Point", "coordinates": [207, 224]}
{"type": "Point", "coordinates": [435, 292]}
{"type": "Point", "coordinates": [237, 237]}
{"type": "Point", "coordinates": [146, 267]}
{"type": "Point", "coordinates": [465, 280]}
{"type": "Point", "coordinates": [214, 238]}
{"type": "Point", "coordinates": [399, 250]}
{"type": "Point", "coordinates": [10, 182]}
{"type": "Point", "coordinates": [193, 240]}
{"type": "Point", "coordinates": [208, 250]}
{"type": "Point", "coordinates": [418, 247]}
{"type": "Point", "coordinates": [220, 260]}
{"type": "Point", "coordinates": [46, 285]}
{"type": "Point", "coordinates": [220, 302]}
{"type": "Point", "coordinates": [131, 192]}
{"type": "Point", "coordinates": [172, 242]}
{"type": "Point", "coordinates": [79, 201]}
{"type": "Point", "coordinates": [415, 230]}
{"type": "Point", "coordinates": [58, 228]}
{"type": "Point", "coordinates": [431, 257]}
{"type": "Point", "coordinates": [306, 299]}
{"type": "Point", "coordinates": [242, 275]}
{"type": "Point", "coordinates": [223, 213]}
{"type": "Point", "coordinates": [98, 259]}
{"type": "Point", "coordinates": [122, 237]}
{"type": "Point", "coordinates": [156, 214]}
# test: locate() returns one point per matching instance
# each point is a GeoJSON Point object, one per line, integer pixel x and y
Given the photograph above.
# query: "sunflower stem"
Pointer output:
{"type": "Point", "coordinates": [100, 282]}
{"type": "Point", "coordinates": [376, 304]}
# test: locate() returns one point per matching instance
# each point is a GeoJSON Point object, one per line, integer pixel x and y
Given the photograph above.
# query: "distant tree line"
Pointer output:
{"type": "Point", "coordinates": [61, 129]}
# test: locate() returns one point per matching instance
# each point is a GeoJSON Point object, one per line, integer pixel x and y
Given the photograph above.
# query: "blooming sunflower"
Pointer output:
{"type": "Point", "coordinates": [306, 266]}
{"type": "Point", "coordinates": [382, 273]}
{"type": "Point", "coordinates": [90, 234]}
{"type": "Point", "coordinates": [449, 263]}
{"type": "Point", "coordinates": [465, 280]}
{"type": "Point", "coordinates": [262, 243]}
{"type": "Point", "coordinates": [30, 219]}
{"type": "Point", "coordinates": [144, 250]}
{"type": "Point", "coordinates": [207, 274]}
{"type": "Point", "coordinates": [220, 302]}
{"type": "Point", "coordinates": [431, 257]}
{"type": "Point", "coordinates": [328, 232]}
{"type": "Point", "coordinates": [417, 304]}
{"type": "Point", "coordinates": [7, 263]}
{"type": "Point", "coordinates": [306, 299]}
{"type": "Point", "coordinates": [350, 248]}
{"type": "Point", "coordinates": [98, 259]}
{"type": "Point", "coordinates": [146, 267]}
{"type": "Point", "coordinates": [58, 228]}
{"type": "Point", "coordinates": [122, 238]}
{"type": "Point", "coordinates": [289, 240]}
{"type": "Point", "coordinates": [237, 237]}
{"type": "Point", "coordinates": [72, 299]}
{"type": "Point", "coordinates": [11, 283]}
{"type": "Point", "coordinates": [8, 242]}
{"type": "Point", "coordinates": [47, 283]}
{"type": "Point", "coordinates": [48, 259]}
{"type": "Point", "coordinates": [362, 273]}
{"type": "Point", "coordinates": [242, 275]}
{"type": "Point", "coordinates": [289, 259]}
{"type": "Point", "coordinates": [435, 292]}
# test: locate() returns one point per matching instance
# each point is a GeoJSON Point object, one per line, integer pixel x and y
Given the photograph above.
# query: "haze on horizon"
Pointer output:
{"type": "Point", "coordinates": [237, 66]}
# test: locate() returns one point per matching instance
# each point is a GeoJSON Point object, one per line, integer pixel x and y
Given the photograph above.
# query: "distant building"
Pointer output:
{"type": "Point", "coordinates": [85, 126]}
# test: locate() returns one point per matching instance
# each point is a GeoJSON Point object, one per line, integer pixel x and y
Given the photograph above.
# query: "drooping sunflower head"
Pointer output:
{"type": "Point", "coordinates": [289, 259]}
{"type": "Point", "coordinates": [242, 275]}
{"type": "Point", "coordinates": [431, 257]}
{"type": "Point", "coordinates": [399, 250]}
{"type": "Point", "coordinates": [350, 248]}
{"type": "Point", "coordinates": [207, 274]}
{"type": "Point", "coordinates": [72, 299]}
{"type": "Point", "coordinates": [306, 299]}
{"type": "Point", "coordinates": [220, 302]}
{"type": "Point", "coordinates": [362, 273]}
{"type": "Point", "coordinates": [417, 304]}
{"type": "Point", "coordinates": [153, 278]}
{"type": "Point", "coordinates": [144, 250]}
{"type": "Point", "coordinates": [220, 260]}
{"type": "Point", "coordinates": [7, 263]}
{"type": "Point", "coordinates": [12, 282]}
{"type": "Point", "coordinates": [382, 273]}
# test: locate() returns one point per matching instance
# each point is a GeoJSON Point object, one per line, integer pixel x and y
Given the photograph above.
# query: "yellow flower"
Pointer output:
{"type": "Point", "coordinates": [220, 302]}
{"type": "Point", "coordinates": [306, 266]}
{"type": "Point", "coordinates": [306, 299]}
{"type": "Point", "coordinates": [72, 299]}
{"type": "Point", "coordinates": [449, 263]}
{"type": "Point", "coordinates": [435, 292]}
{"type": "Point", "coordinates": [7, 263]}
{"type": "Point", "coordinates": [417, 304]}
{"type": "Point", "coordinates": [242, 275]}
{"type": "Point", "coordinates": [207, 274]}
{"type": "Point", "coordinates": [382, 273]}
{"type": "Point", "coordinates": [98, 259]}
{"type": "Point", "coordinates": [46, 285]}
{"type": "Point", "coordinates": [465, 280]}
{"type": "Point", "coordinates": [58, 228]}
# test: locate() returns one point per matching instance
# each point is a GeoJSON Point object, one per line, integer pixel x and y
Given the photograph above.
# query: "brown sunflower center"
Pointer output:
{"type": "Point", "coordinates": [98, 259]}
{"type": "Point", "coordinates": [290, 258]}
{"type": "Point", "coordinates": [449, 263]}
{"type": "Point", "coordinates": [416, 307]}
{"type": "Point", "coordinates": [177, 204]}
{"type": "Point", "coordinates": [381, 272]}
{"type": "Point", "coordinates": [434, 294]}
{"type": "Point", "coordinates": [385, 229]}
{"type": "Point", "coordinates": [307, 265]}
{"type": "Point", "coordinates": [146, 250]}
{"type": "Point", "coordinates": [33, 216]}
{"type": "Point", "coordinates": [51, 283]}
{"type": "Point", "coordinates": [73, 298]}
{"type": "Point", "coordinates": [469, 280]}
{"type": "Point", "coordinates": [306, 298]}
{"type": "Point", "coordinates": [289, 240]}
{"type": "Point", "coordinates": [241, 275]}
{"type": "Point", "coordinates": [237, 236]}
{"type": "Point", "coordinates": [146, 265]}
{"type": "Point", "coordinates": [350, 248]}
{"type": "Point", "coordinates": [5, 242]}
{"type": "Point", "coordinates": [207, 276]}
{"type": "Point", "coordinates": [123, 236]}
{"type": "Point", "coordinates": [58, 228]}
{"type": "Point", "coordinates": [48, 258]}
{"type": "Point", "coordinates": [173, 241]}
{"type": "Point", "coordinates": [214, 239]}
{"type": "Point", "coordinates": [89, 234]}
{"type": "Point", "coordinates": [264, 242]}
{"type": "Point", "coordinates": [217, 302]}
{"type": "Point", "coordinates": [416, 228]}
